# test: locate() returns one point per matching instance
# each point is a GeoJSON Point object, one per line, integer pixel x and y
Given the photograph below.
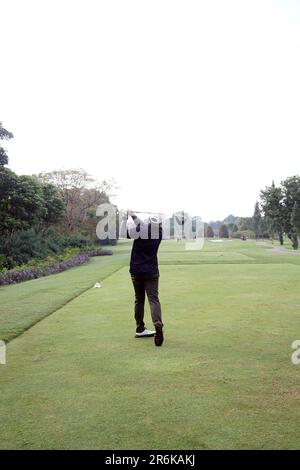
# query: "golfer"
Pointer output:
{"type": "Point", "coordinates": [144, 271]}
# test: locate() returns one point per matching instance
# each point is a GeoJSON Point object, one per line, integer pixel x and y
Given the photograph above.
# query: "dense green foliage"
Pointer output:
{"type": "Point", "coordinates": [24, 245]}
{"type": "Point", "coordinates": [27, 209]}
{"type": "Point", "coordinates": [296, 216]}
{"type": "Point", "coordinates": [271, 198]}
{"type": "Point", "coordinates": [281, 208]}
{"type": "Point", "coordinates": [25, 203]}
{"type": "Point", "coordinates": [42, 215]}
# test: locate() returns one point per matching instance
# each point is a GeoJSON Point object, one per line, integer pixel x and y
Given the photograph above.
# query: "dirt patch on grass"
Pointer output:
{"type": "Point", "coordinates": [281, 249]}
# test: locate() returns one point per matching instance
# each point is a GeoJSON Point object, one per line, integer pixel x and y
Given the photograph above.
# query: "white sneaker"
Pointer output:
{"type": "Point", "coordinates": [145, 333]}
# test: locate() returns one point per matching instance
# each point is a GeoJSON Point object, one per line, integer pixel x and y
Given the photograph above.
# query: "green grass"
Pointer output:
{"type": "Point", "coordinates": [22, 305]}
{"type": "Point", "coordinates": [223, 378]}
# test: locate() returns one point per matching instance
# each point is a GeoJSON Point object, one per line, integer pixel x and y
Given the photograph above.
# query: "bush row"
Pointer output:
{"type": "Point", "coordinates": [22, 274]}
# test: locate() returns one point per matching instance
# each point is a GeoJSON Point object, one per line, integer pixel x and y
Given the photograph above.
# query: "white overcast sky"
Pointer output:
{"type": "Point", "coordinates": [188, 104]}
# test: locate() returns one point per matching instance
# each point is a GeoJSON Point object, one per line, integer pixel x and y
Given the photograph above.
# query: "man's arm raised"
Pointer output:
{"type": "Point", "coordinates": [133, 231]}
{"type": "Point", "coordinates": [135, 218]}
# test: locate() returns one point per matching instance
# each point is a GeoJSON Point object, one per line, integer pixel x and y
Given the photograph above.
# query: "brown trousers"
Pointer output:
{"type": "Point", "coordinates": [149, 287]}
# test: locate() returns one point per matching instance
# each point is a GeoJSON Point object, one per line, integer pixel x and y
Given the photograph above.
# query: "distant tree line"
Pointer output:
{"type": "Point", "coordinates": [276, 215]}
{"type": "Point", "coordinates": [235, 227]}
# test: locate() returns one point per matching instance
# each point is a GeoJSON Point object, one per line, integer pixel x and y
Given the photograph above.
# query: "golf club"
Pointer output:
{"type": "Point", "coordinates": [148, 212]}
{"type": "Point", "coordinates": [178, 215]}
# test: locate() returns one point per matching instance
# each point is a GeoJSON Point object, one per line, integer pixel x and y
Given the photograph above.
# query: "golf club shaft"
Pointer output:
{"type": "Point", "coordinates": [147, 212]}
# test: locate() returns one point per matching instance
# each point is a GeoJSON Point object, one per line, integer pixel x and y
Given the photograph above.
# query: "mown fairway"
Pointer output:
{"type": "Point", "coordinates": [223, 378]}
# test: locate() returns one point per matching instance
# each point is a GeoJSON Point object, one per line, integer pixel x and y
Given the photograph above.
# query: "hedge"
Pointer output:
{"type": "Point", "coordinates": [14, 276]}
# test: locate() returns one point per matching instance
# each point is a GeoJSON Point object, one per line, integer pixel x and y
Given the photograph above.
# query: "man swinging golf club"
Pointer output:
{"type": "Point", "coordinates": [144, 271]}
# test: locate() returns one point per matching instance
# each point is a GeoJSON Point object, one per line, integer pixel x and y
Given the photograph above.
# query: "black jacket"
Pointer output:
{"type": "Point", "coordinates": [143, 261]}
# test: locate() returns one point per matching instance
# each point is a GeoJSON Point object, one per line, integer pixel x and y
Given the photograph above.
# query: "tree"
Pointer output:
{"type": "Point", "coordinates": [264, 228]}
{"type": "Point", "coordinates": [209, 233]}
{"type": "Point", "coordinates": [230, 219]}
{"type": "Point", "coordinates": [4, 135]}
{"type": "Point", "coordinates": [54, 204]}
{"type": "Point", "coordinates": [280, 208]}
{"type": "Point", "coordinates": [26, 202]}
{"type": "Point", "coordinates": [273, 209]}
{"type": "Point", "coordinates": [232, 227]}
{"type": "Point", "coordinates": [22, 203]}
{"type": "Point", "coordinates": [8, 182]}
{"type": "Point", "coordinates": [80, 192]}
{"type": "Point", "coordinates": [223, 233]}
{"type": "Point", "coordinates": [215, 225]}
{"type": "Point", "coordinates": [291, 190]}
{"type": "Point", "coordinates": [257, 220]}
{"type": "Point", "coordinates": [245, 223]}
{"type": "Point", "coordinates": [295, 218]}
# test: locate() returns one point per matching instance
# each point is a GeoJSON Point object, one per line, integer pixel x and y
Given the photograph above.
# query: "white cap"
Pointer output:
{"type": "Point", "coordinates": [155, 218]}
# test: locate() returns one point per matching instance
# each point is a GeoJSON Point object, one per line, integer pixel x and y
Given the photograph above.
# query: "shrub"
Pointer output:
{"type": "Point", "coordinates": [78, 240]}
{"type": "Point", "coordinates": [47, 267]}
{"type": "Point", "coordinates": [99, 252]}
{"type": "Point", "coordinates": [243, 233]}
{"type": "Point", "coordinates": [107, 241]}
{"type": "Point", "coordinates": [19, 275]}
{"type": "Point", "coordinates": [24, 245]}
